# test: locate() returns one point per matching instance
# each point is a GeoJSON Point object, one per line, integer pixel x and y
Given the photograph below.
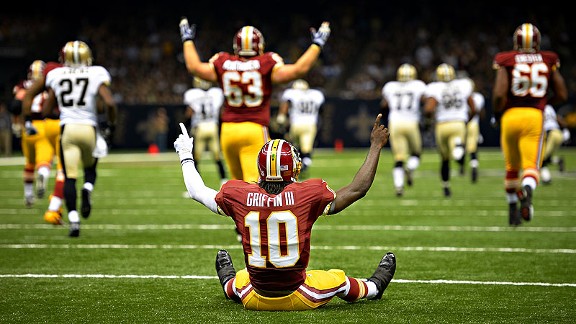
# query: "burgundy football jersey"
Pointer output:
{"type": "Point", "coordinates": [247, 85]}
{"type": "Point", "coordinates": [275, 228]}
{"type": "Point", "coordinates": [529, 75]}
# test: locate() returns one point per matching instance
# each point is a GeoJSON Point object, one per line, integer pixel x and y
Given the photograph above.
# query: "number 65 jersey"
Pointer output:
{"type": "Point", "coordinates": [529, 75]}
{"type": "Point", "coordinates": [76, 89]}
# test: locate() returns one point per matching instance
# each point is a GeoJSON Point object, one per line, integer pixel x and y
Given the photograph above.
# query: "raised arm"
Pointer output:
{"type": "Point", "coordinates": [194, 183]}
{"type": "Point", "coordinates": [304, 64]}
{"type": "Point", "coordinates": [365, 176]}
{"type": "Point", "coordinates": [193, 63]}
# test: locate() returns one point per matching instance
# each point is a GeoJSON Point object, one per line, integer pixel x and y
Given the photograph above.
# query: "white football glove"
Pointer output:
{"type": "Point", "coordinates": [184, 145]}
{"type": "Point", "coordinates": [321, 36]}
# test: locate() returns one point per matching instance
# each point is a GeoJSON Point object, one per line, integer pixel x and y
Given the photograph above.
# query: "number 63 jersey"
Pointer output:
{"type": "Point", "coordinates": [275, 228]}
{"type": "Point", "coordinates": [529, 75]}
{"type": "Point", "coordinates": [76, 90]}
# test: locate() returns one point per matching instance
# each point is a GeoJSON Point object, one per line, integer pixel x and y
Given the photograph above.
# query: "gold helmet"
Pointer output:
{"type": "Point", "coordinates": [406, 72]}
{"type": "Point", "coordinates": [526, 38]}
{"type": "Point", "coordinates": [201, 83]}
{"type": "Point", "coordinates": [36, 70]}
{"type": "Point", "coordinates": [300, 84]}
{"type": "Point", "coordinates": [76, 53]}
{"type": "Point", "coordinates": [445, 72]}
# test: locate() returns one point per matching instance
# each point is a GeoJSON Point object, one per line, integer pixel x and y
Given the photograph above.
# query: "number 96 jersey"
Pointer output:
{"type": "Point", "coordinates": [529, 76]}
{"type": "Point", "coordinates": [76, 89]}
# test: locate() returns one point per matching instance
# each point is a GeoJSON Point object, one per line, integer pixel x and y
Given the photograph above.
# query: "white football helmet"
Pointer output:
{"type": "Point", "coordinates": [248, 42]}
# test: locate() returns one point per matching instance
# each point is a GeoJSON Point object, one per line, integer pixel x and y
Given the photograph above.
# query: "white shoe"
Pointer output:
{"type": "Point", "coordinates": [545, 175]}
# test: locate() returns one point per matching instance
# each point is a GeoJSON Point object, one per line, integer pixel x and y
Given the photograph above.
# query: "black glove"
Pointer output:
{"type": "Point", "coordinates": [30, 129]}
{"type": "Point", "coordinates": [107, 131]}
{"type": "Point", "coordinates": [495, 120]}
{"type": "Point", "coordinates": [187, 32]}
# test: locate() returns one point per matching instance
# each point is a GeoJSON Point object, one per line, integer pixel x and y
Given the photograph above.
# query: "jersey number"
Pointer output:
{"type": "Point", "coordinates": [529, 80]}
{"type": "Point", "coordinates": [66, 99]}
{"type": "Point", "coordinates": [235, 97]}
{"type": "Point", "coordinates": [281, 253]}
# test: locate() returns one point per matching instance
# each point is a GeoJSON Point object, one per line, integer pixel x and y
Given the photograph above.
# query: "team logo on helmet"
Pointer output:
{"type": "Point", "coordinates": [526, 38]}
{"type": "Point", "coordinates": [36, 70]}
{"type": "Point", "coordinates": [248, 42]}
{"type": "Point", "coordinates": [445, 72]}
{"type": "Point", "coordinates": [406, 72]}
{"type": "Point", "coordinates": [278, 161]}
{"type": "Point", "coordinates": [76, 53]}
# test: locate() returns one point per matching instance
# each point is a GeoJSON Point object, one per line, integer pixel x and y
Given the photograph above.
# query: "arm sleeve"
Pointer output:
{"type": "Point", "coordinates": [197, 189]}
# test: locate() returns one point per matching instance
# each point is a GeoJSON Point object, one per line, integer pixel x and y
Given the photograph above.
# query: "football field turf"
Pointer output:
{"type": "Point", "coordinates": [146, 254]}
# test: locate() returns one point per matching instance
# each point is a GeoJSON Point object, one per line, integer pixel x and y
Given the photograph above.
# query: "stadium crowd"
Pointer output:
{"type": "Point", "coordinates": [143, 53]}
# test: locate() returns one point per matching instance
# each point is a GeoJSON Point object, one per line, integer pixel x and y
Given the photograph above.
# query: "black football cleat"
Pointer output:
{"type": "Point", "coordinates": [513, 215]}
{"type": "Point", "coordinates": [224, 268]}
{"type": "Point", "coordinates": [74, 229]}
{"type": "Point", "coordinates": [526, 208]}
{"type": "Point", "coordinates": [447, 192]}
{"type": "Point", "coordinates": [383, 274]}
{"type": "Point", "coordinates": [474, 175]}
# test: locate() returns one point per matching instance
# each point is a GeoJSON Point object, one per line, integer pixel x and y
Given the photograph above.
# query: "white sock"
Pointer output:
{"type": "Point", "coordinates": [372, 289]}
{"type": "Point", "coordinates": [512, 198]}
{"type": "Point", "coordinates": [529, 181]}
{"type": "Point", "coordinates": [88, 186]}
{"type": "Point", "coordinates": [73, 216]}
{"type": "Point", "coordinates": [413, 163]}
{"type": "Point", "coordinates": [55, 203]}
{"type": "Point", "coordinates": [398, 175]}
{"type": "Point", "coordinates": [44, 171]}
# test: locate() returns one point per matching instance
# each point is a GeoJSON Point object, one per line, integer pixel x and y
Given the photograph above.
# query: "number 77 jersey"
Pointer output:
{"type": "Point", "coordinates": [76, 90]}
{"type": "Point", "coordinates": [529, 75]}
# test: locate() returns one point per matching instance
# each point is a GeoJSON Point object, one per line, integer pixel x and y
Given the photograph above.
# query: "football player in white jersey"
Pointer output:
{"type": "Point", "coordinates": [403, 100]}
{"type": "Point", "coordinates": [302, 106]}
{"type": "Point", "coordinates": [473, 135]}
{"type": "Point", "coordinates": [446, 101]}
{"type": "Point", "coordinates": [555, 136]}
{"type": "Point", "coordinates": [204, 102]}
{"type": "Point", "coordinates": [76, 88]}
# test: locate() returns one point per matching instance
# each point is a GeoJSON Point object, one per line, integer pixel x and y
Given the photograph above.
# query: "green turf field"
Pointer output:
{"type": "Point", "coordinates": [146, 254]}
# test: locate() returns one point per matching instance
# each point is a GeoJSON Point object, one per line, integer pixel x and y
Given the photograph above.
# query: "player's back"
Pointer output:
{"type": "Point", "coordinates": [277, 250]}
{"type": "Point", "coordinates": [76, 90]}
{"type": "Point", "coordinates": [205, 103]}
{"type": "Point", "coordinates": [247, 86]}
{"type": "Point", "coordinates": [529, 76]}
{"type": "Point", "coordinates": [452, 99]}
{"type": "Point", "coordinates": [404, 99]}
{"type": "Point", "coordinates": [304, 104]}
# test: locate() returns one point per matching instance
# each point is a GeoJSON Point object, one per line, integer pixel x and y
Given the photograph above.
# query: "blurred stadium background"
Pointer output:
{"type": "Point", "coordinates": [139, 43]}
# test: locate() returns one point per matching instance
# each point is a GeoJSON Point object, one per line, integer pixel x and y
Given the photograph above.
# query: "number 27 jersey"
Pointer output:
{"type": "Point", "coordinates": [76, 89]}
